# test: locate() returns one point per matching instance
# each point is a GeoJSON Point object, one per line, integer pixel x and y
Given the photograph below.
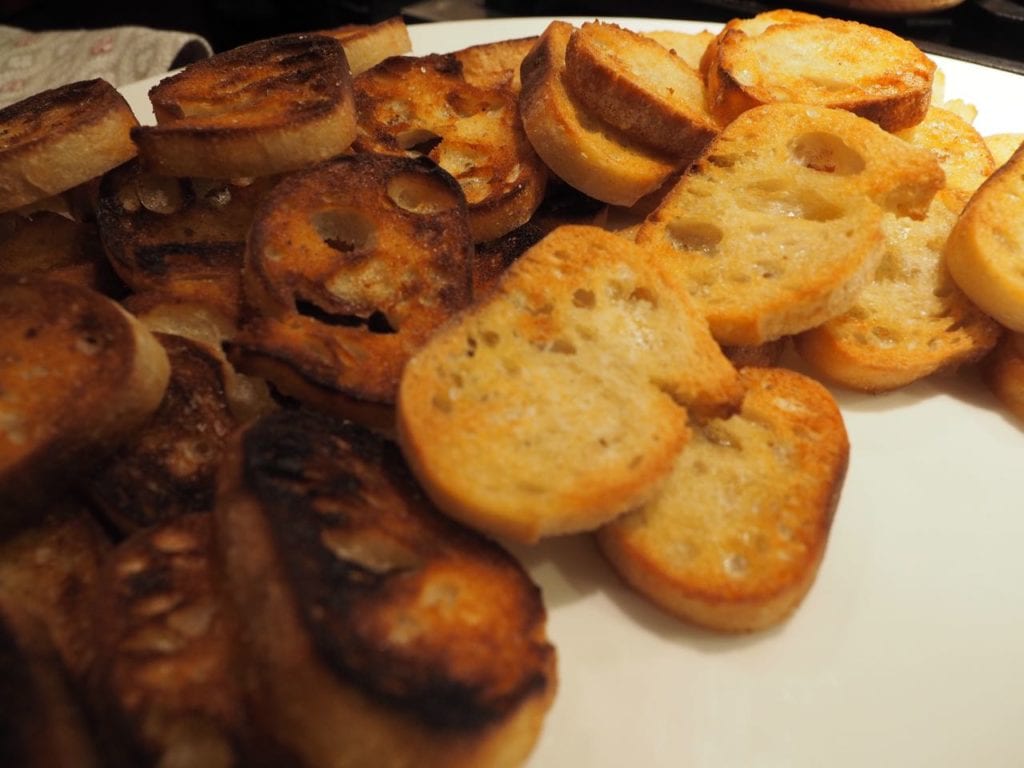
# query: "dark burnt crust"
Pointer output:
{"type": "Point", "coordinates": [314, 475]}
{"type": "Point", "coordinates": [51, 112]}
{"type": "Point", "coordinates": [21, 708]}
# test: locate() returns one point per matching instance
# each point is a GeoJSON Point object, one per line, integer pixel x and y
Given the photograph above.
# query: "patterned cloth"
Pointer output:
{"type": "Point", "coordinates": [34, 61]}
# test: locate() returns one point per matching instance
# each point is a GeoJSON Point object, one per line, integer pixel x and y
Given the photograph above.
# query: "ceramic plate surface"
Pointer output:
{"type": "Point", "coordinates": [909, 649]}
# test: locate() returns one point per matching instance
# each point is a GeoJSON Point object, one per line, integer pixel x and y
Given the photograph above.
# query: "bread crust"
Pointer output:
{"type": "Point", "coordinates": [581, 150]}
{"type": "Point", "coordinates": [61, 138]}
{"type": "Point", "coordinates": [260, 109]}
{"type": "Point", "coordinates": [735, 539]}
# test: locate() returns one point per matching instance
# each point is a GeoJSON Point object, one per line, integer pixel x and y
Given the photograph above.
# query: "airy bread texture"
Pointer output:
{"type": "Point", "coordinates": [734, 539]}
{"type": "Point", "coordinates": [579, 148]}
{"type": "Point", "coordinates": [910, 320]}
{"type": "Point", "coordinates": [778, 226]}
{"type": "Point", "coordinates": [264, 108]}
{"type": "Point", "coordinates": [561, 398]}
{"type": "Point", "coordinates": [985, 250]}
{"type": "Point", "coordinates": [61, 138]}
{"type": "Point", "coordinates": [831, 62]}
{"type": "Point", "coordinates": [637, 85]}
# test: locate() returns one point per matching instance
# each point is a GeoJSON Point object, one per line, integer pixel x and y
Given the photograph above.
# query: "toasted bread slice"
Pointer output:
{"type": "Point", "coordinates": [380, 633]}
{"type": "Point", "coordinates": [735, 539]}
{"type": "Point", "coordinates": [961, 151]}
{"type": "Point", "coordinates": [169, 466]}
{"type": "Point", "coordinates": [424, 106]}
{"type": "Point", "coordinates": [41, 724]}
{"type": "Point", "coordinates": [778, 225]}
{"type": "Point", "coordinates": [580, 149]}
{"type": "Point", "coordinates": [830, 62]}
{"type": "Point", "coordinates": [985, 250]}
{"type": "Point", "coordinates": [50, 245]}
{"type": "Point", "coordinates": [637, 85]}
{"type": "Point", "coordinates": [366, 45]}
{"type": "Point", "coordinates": [1004, 372]}
{"type": "Point", "coordinates": [561, 395]}
{"type": "Point", "coordinates": [61, 138]}
{"type": "Point", "coordinates": [167, 688]}
{"type": "Point", "coordinates": [350, 267]}
{"type": "Point", "coordinates": [261, 109]}
{"type": "Point", "coordinates": [1003, 145]}
{"type": "Point", "coordinates": [180, 236]}
{"type": "Point", "coordinates": [77, 376]}
{"type": "Point", "coordinates": [49, 581]}
{"type": "Point", "coordinates": [495, 65]}
{"type": "Point", "coordinates": [910, 320]}
{"type": "Point", "coordinates": [688, 46]}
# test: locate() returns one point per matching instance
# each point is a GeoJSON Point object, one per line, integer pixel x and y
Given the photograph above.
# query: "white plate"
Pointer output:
{"type": "Point", "coordinates": [909, 650]}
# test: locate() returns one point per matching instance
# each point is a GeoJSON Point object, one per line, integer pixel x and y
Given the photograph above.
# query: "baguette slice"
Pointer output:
{"type": "Point", "coordinates": [495, 65]}
{"type": "Point", "coordinates": [578, 147]}
{"type": "Point", "coordinates": [264, 108]}
{"type": "Point", "coordinates": [367, 45]}
{"type": "Point", "coordinates": [78, 375]}
{"type": "Point", "coordinates": [910, 320]}
{"type": "Point", "coordinates": [415, 106]}
{"type": "Point", "coordinates": [378, 632]}
{"type": "Point", "coordinates": [61, 138]}
{"type": "Point", "coordinates": [1004, 373]}
{"type": "Point", "coordinates": [688, 46]}
{"type": "Point", "coordinates": [778, 226]}
{"type": "Point", "coordinates": [735, 539]}
{"type": "Point", "coordinates": [830, 62]}
{"type": "Point", "coordinates": [985, 250]}
{"type": "Point", "coordinates": [560, 397]}
{"type": "Point", "coordinates": [641, 88]}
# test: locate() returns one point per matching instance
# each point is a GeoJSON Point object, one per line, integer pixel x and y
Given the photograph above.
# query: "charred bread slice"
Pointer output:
{"type": "Point", "coordinates": [60, 138]}
{"type": "Point", "coordinates": [830, 62]}
{"type": "Point", "coordinates": [578, 147]}
{"type": "Point", "coordinates": [366, 45]}
{"type": "Point", "coordinates": [416, 106]}
{"type": "Point", "coordinates": [264, 108]}
{"type": "Point", "coordinates": [167, 689]}
{"type": "Point", "coordinates": [77, 376]}
{"type": "Point", "coordinates": [379, 632]}
{"type": "Point", "coordinates": [734, 540]}
{"type": "Point", "coordinates": [641, 88]}
{"type": "Point", "coordinates": [560, 396]}
{"type": "Point", "coordinates": [778, 225]}
{"type": "Point", "coordinates": [169, 466]}
{"type": "Point", "coordinates": [350, 267]}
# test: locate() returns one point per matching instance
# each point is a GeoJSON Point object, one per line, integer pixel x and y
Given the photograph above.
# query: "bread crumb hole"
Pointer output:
{"type": "Point", "coordinates": [490, 338]}
{"type": "Point", "coordinates": [421, 194]}
{"type": "Point", "coordinates": [160, 194]}
{"type": "Point", "coordinates": [644, 294]}
{"type": "Point", "coordinates": [512, 368]}
{"type": "Point", "coordinates": [885, 336]}
{"type": "Point", "coordinates": [716, 433]}
{"type": "Point", "coordinates": [418, 140]}
{"type": "Point", "coordinates": [584, 299]}
{"type": "Point", "coordinates": [695, 236]}
{"type": "Point", "coordinates": [442, 403]}
{"type": "Point", "coordinates": [562, 347]}
{"type": "Point", "coordinates": [735, 565]}
{"type": "Point", "coordinates": [344, 230]}
{"type": "Point", "coordinates": [827, 153]}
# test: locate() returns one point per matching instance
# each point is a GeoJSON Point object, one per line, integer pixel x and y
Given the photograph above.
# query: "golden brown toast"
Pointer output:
{"type": "Point", "coordinates": [380, 633]}
{"type": "Point", "coordinates": [60, 138]}
{"type": "Point", "coordinates": [688, 46]}
{"type": "Point", "coordinates": [416, 106]}
{"type": "Point", "coordinates": [167, 689]}
{"type": "Point", "coordinates": [1003, 371]}
{"type": "Point", "coordinates": [579, 148]}
{"type": "Point", "coordinates": [168, 467]}
{"type": "Point", "coordinates": [366, 45]}
{"type": "Point", "coordinates": [52, 245]}
{"type": "Point", "coordinates": [778, 226]}
{"type": "Point", "coordinates": [350, 267]}
{"type": "Point", "coordinates": [734, 540]}
{"type": "Point", "coordinates": [984, 253]}
{"type": "Point", "coordinates": [261, 109]}
{"type": "Point", "coordinates": [583, 359]}
{"type": "Point", "coordinates": [78, 375]}
{"type": "Point", "coordinates": [640, 87]}
{"type": "Point", "coordinates": [829, 62]}
{"type": "Point", "coordinates": [1003, 145]}
{"type": "Point", "coordinates": [495, 65]}
{"type": "Point", "coordinates": [180, 236]}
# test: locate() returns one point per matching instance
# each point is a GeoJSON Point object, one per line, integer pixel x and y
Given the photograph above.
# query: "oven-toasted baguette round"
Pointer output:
{"type": "Point", "coordinates": [558, 402]}
{"type": "Point", "coordinates": [734, 540]}
{"type": "Point", "coordinates": [61, 138]}
{"type": "Point", "coordinates": [579, 148]}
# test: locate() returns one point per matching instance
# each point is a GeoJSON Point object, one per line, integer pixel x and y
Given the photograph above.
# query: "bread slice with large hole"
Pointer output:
{"type": "Point", "coordinates": [576, 145]}
{"type": "Point", "coordinates": [778, 225]}
{"type": "Point", "coordinates": [559, 402]}
{"type": "Point", "coordinates": [830, 62]}
{"type": "Point", "coordinates": [61, 138]}
{"type": "Point", "coordinates": [734, 540]}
